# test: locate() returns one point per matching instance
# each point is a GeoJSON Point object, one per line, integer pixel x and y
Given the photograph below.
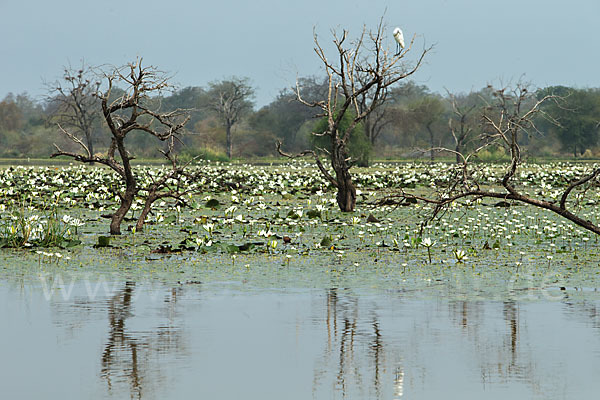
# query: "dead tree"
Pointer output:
{"type": "Point", "coordinates": [426, 113]}
{"type": "Point", "coordinates": [230, 100]}
{"type": "Point", "coordinates": [504, 122]}
{"type": "Point", "coordinates": [74, 104]}
{"type": "Point", "coordinates": [460, 124]}
{"type": "Point", "coordinates": [364, 66]}
{"type": "Point", "coordinates": [379, 118]}
{"type": "Point", "coordinates": [127, 113]}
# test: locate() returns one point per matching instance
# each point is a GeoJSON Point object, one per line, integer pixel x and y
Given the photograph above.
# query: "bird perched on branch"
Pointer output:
{"type": "Point", "coordinates": [399, 38]}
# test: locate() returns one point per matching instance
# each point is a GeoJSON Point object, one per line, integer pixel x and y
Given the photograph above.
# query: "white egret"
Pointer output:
{"type": "Point", "coordinates": [399, 37]}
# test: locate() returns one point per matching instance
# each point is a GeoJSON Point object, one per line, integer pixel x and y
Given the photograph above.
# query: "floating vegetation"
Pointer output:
{"type": "Point", "coordinates": [248, 222]}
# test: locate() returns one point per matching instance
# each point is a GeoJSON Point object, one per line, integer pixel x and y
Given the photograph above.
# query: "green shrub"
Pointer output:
{"type": "Point", "coordinates": [492, 154]}
{"type": "Point", "coordinates": [359, 146]}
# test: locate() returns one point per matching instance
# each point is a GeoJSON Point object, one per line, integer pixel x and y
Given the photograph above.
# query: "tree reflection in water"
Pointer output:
{"type": "Point", "coordinates": [363, 362]}
{"type": "Point", "coordinates": [359, 345]}
{"type": "Point", "coordinates": [498, 349]}
{"type": "Point", "coordinates": [583, 311]}
{"type": "Point", "coordinates": [129, 354]}
{"type": "Point", "coordinates": [365, 355]}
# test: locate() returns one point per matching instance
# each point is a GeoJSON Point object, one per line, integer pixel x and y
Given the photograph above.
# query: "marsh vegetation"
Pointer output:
{"type": "Point", "coordinates": [259, 261]}
{"type": "Point", "coordinates": [241, 222]}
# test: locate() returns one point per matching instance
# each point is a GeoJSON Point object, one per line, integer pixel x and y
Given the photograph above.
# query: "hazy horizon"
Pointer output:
{"type": "Point", "coordinates": [271, 42]}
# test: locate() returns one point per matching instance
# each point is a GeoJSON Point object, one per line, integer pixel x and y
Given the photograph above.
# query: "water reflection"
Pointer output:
{"type": "Point", "coordinates": [140, 328]}
{"type": "Point", "coordinates": [499, 355]}
{"type": "Point", "coordinates": [121, 342]}
{"type": "Point", "coordinates": [356, 349]}
{"type": "Point", "coordinates": [157, 341]}
{"type": "Point", "coordinates": [384, 352]}
{"type": "Point", "coordinates": [128, 352]}
{"type": "Point", "coordinates": [584, 311]}
{"type": "Point", "coordinates": [511, 313]}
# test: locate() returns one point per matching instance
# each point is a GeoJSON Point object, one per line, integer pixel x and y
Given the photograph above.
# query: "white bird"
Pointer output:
{"type": "Point", "coordinates": [399, 37]}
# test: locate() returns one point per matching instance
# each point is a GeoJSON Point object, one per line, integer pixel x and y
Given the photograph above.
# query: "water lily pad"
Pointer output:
{"type": "Point", "coordinates": [103, 241]}
{"type": "Point", "coordinates": [293, 215]}
{"type": "Point", "coordinates": [326, 241]}
{"type": "Point", "coordinates": [372, 219]}
{"type": "Point", "coordinates": [231, 248]}
{"type": "Point", "coordinates": [212, 203]}
{"type": "Point", "coordinates": [70, 243]}
{"type": "Point", "coordinates": [313, 214]}
{"type": "Point", "coordinates": [170, 219]}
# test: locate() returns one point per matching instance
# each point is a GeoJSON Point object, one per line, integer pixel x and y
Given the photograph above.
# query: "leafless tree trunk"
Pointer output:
{"type": "Point", "coordinates": [375, 124]}
{"type": "Point", "coordinates": [125, 114]}
{"type": "Point", "coordinates": [378, 119]}
{"type": "Point", "coordinates": [504, 121]}
{"type": "Point", "coordinates": [364, 71]}
{"type": "Point", "coordinates": [461, 133]}
{"type": "Point", "coordinates": [74, 104]}
{"type": "Point", "coordinates": [431, 142]}
{"type": "Point", "coordinates": [230, 99]}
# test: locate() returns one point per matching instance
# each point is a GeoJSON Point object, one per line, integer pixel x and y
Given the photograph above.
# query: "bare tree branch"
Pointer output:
{"type": "Point", "coordinates": [73, 105]}
{"type": "Point", "coordinates": [357, 84]}
{"type": "Point", "coordinates": [127, 113]}
{"type": "Point", "coordinates": [510, 116]}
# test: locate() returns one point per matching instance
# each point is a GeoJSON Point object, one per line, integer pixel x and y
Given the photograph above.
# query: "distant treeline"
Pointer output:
{"type": "Point", "coordinates": [411, 121]}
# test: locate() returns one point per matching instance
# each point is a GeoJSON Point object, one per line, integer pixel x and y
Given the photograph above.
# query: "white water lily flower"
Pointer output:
{"type": "Point", "coordinates": [265, 233]}
{"type": "Point", "coordinates": [209, 227]}
{"type": "Point", "coordinates": [427, 242]}
{"type": "Point", "coordinates": [230, 210]}
{"type": "Point", "coordinates": [460, 255]}
{"type": "Point", "coordinates": [76, 222]}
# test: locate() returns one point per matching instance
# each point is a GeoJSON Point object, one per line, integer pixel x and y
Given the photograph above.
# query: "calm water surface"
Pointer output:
{"type": "Point", "coordinates": [229, 341]}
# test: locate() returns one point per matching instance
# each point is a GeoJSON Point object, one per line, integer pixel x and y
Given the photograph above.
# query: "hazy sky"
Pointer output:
{"type": "Point", "coordinates": [270, 41]}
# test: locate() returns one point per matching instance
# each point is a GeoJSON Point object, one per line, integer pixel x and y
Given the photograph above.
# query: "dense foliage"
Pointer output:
{"type": "Point", "coordinates": [359, 146]}
{"type": "Point", "coordinates": [411, 118]}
